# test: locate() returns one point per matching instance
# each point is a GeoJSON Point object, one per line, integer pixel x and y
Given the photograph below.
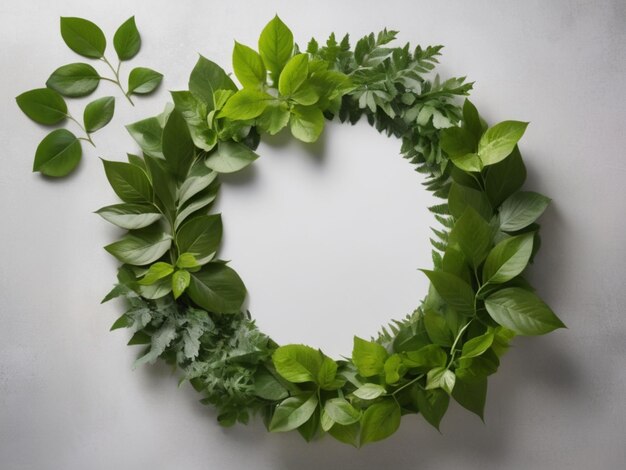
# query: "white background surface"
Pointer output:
{"type": "Point", "coordinates": [327, 238]}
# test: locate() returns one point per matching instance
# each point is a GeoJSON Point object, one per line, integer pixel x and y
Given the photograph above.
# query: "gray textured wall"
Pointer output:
{"type": "Point", "coordinates": [346, 216]}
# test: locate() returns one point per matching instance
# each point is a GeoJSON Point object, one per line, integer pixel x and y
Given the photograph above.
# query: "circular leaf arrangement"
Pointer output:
{"type": "Point", "coordinates": [185, 304]}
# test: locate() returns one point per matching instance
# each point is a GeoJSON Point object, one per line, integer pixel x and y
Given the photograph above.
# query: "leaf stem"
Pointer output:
{"type": "Point", "coordinates": [88, 136]}
{"type": "Point", "coordinates": [456, 340]}
{"type": "Point", "coordinates": [116, 72]}
{"type": "Point", "coordinates": [411, 382]}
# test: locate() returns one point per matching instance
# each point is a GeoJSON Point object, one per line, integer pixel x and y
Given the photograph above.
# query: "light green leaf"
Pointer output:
{"type": "Point", "coordinates": [341, 412]}
{"type": "Point", "coordinates": [274, 118]}
{"type": "Point", "coordinates": [298, 363]}
{"type": "Point", "coordinates": [141, 247]}
{"type": "Point", "coordinates": [128, 181]}
{"type": "Point", "coordinates": [180, 282]}
{"type": "Point", "coordinates": [425, 358]}
{"type": "Point", "coordinates": [326, 422]}
{"type": "Point", "coordinates": [474, 235]}
{"type": "Point", "coordinates": [275, 46]}
{"type": "Point", "coordinates": [307, 123]}
{"type": "Point", "coordinates": [380, 421]}
{"type": "Point", "coordinates": [455, 292]}
{"type": "Point", "coordinates": [148, 134]}
{"type": "Point", "coordinates": [468, 162]}
{"type": "Point", "coordinates": [293, 412]}
{"type": "Point", "coordinates": [246, 104]}
{"type": "Point", "coordinates": [157, 290]}
{"type": "Point", "coordinates": [369, 357]}
{"type": "Point", "coordinates": [230, 157]}
{"type": "Point", "coordinates": [508, 259]}
{"type": "Point", "coordinates": [143, 80]}
{"type": "Point", "coordinates": [195, 113]}
{"type": "Point", "coordinates": [248, 66]}
{"type": "Point", "coordinates": [58, 153]}
{"type": "Point", "coordinates": [127, 40]}
{"type": "Point", "coordinates": [498, 141]}
{"type": "Point", "coordinates": [206, 78]}
{"type": "Point", "coordinates": [369, 391]}
{"type": "Point", "coordinates": [394, 369]}
{"type": "Point", "coordinates": [200, 236]}
{"type": "Point", "coordinates": [74, 80]}
{"type": "Point", "coordinates": [521, 209]}
{"type": "Point", "coordinates": [187, 261]}
{"type": "Point", "coordinates": [293, 75]}
{"type": "Point", "coordinates": [98, 113]}
{"type": "Point", "coordinates": [522, 312]}
{"type": "Point", "coordinates": [326, 376]}
{"type": "Point", "coordinates": [217, 288]}
{"type": "Point", "coordinates": [478, 345]}
{"type": "Point", "coordinates": [43, 105]}
{"type": "Point", "coordinates": [440, 377]}
{"type": "Point", "coordinates": [130, 216]}
{"type": "Point", "coordinates": [156, 272]}
{"type": "Point", "coordinates": [83, 37]}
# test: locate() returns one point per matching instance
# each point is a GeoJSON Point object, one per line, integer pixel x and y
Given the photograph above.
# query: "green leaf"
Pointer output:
{"type": "Point", "coordinates": [128, 181]}
{"type": "Point", "coordinates": [98, 113]}
{"type": "Point", "coordinates": [163, 183]}
{"type": "Point", "coordinates": [141, 247]}
{"type": "Point", "coordinates": [522, 312]}
{"type": "Point", "coordinates": [437, 328]}
{"type": "Point", "coordinates": [455, 292]}
{"type": "Point", "coordinates": [432, 404]}
{"type": "Point", "coordinates": [425, 358]}
{"type": "Point", "coordinates": [246, 104]}
{"type": "Point", "coordinates": [341, 411]}
{"type": "Point", "coordinates": [505, 178]}
{"type": "Point", "coordinates": [248, 66]}
{"type": "Point", "coordinates": [275, 46]}
{"type": "Point", "coordinates": [440, 377]}
{"type": "Point", "coordinates": [187, 261]}
{"type": "Point", "coordinates": [473, 235]}
{"type": "Point", "coordinates": [380, 421]}
{"type": "Point", "coordinates": [274, 118]}
{"type": "Point", "coordinates": [457, 142]}
{"type": "Point", "coordinates": [148, 134]}
{"type": "Point", "coordinates": [293, 75]}
{"type": "Point", "coordinates": [217, 288]}
{"type": "Point", "coordinates": [200, 236]}
{"type": "Point", "coordinates": [471, 119]}
{"type": "Point", "coordinates": [462, 197]}
{"type": "Point", "coordinates": [198, 202]}
{"type": "Point", "coordinates": [230, 157]}
{"type": "Point", "coordinates": [58, 153]}
{"type": "Point", "coordinates": [369, 357]}
{"type": "Point", "coordinates": [498, 141]}
{"type": "Point", "coordinates": [180, 282]}
{"type": "Point", "coordinates": [307, 123]}
{"type": "Point", "coordinates": [508, 259]}
{"type": "Point", "coordinates": [346, 434]}
{"type": "Point", "coordinates": [267, 387]}
{"type": "Point", "coordinates": [157, 290]}
{"type": "Point", "coordinates": [468, 162]}
{"type": "Point", "coordinates": [293, 412]}
{"type": "Point", "coordinates": [477, 368]}
{"type": "Point", "coordinates": [369, 391]}
{"type": "Point", "coordinates": [130, 216]}
{"type": "Point", "coordinates": [74, 80]}
{"type": "Point", "coordinates": [478, 345]}
{"type": "Point", "coordinates": [206, 78]}
{"type": "Point", "coordinates": [471, 395]}
{"type": "Point", "coordinates": [298, 363]}
{"type": "Point", "coordinates": [394, 369]}
{"type": "Point", "coordinates": [156, 272]}
{"type": "Point", "coordinates": [43, 105]}
{"type": "Point", "coordinates": [521, 209]}
{"type": "Point", "coordinates": [127, 40]}
{"type": "Point", "coordinates": [198, 179]}
{"type": "Point", "coordinates": [195, 113]}
{"type": "Point", "coordinates": [143, 80]}
{"type": "Point", "coordinates": [178, 147]}
{"type": "Point", "coordinates": [83, 37]}
{"type": "Point", "coordinates": [326, 376]}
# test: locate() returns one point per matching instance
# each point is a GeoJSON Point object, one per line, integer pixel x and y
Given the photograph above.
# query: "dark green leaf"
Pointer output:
{"type": "Point", "coordinates": [58, 153]}
{"type": "Point", "coordinates": [508, 259]}
{"type": "Point", "coordinates": [43, 105]}
{"type": "Point", "coordinates": [432, 404]}
{"type": "Point", "coordinates": [201, 237]}
{"type": "Point", "coordinates": [462, 197]}
{"type": "Point", "coordinates": [130, 216]}
{"type": "Point", "coordinates": [471, 119]}
{"type": "Point", "coordinates": [127, 40]}
{"type": "Point", "coordinates": [148, 133]}
{"type": "Point", "coordinates": [457, 293]}
{"type": "Point", "coordinates": [346, 434]}
{"type": "Point", "coordinates": [217, 288]}
{"type": "Point", "coordinates": [143, 80]}
{"type": "Point", "coordinates": [267, 387]}
{"type": "Point", "coordinates": [178, 147]}
{"type": "Point", "coordinates": [504, 178]}
{"type": "Point", "coordinates": [426, 358]}
{"type": "Point", "coordinates": [98, 113]}
{"type": "Point", "coordinates": [521, 209]}
{"type": "Point", "coordinates": [74, 80]}
{"type": "Point", "coordinates": [380, 421]}
{"type": "Point", "coordinates": [206, 78]}
{"type": "Point", "coordinates": [128, 181]}
{"type": "Point", "coordinates": [522, 312]}
{"type": "Point", "coordinates": [141, 247]}
{"type": "Point", "coordinates": [163, 183]}
{"type": "Point", "coordinates": [83, 37]}
{"type": "Point", "coordinates": [458, 141]}
{"type": "Point", "coordinates": [471, 395]}
{"type": "Point", "coordinates": [473, 235]}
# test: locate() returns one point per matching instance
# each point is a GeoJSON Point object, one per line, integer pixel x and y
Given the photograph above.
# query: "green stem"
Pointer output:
{"type": "Point", "coordinates": [456, 340]}
{"type": "Point", "coordinates": [88, 137]}
{"type": "Point", "coordinates": [407, 384]}
{"type": "Point", "coordinates": [116, 72]}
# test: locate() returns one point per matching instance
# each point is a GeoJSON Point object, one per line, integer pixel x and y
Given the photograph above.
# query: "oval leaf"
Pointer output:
{"type": "Point", "coordinates": [98, 113]}
{"type": "Point", "coordinates": [230, 157]}
{"type": "Point", "coordinates": [143, 80]}
{"type": "Point", "coordinates": [58, 153]}
{"type": "Point", "coordinates": [43, 105]}
{"type": "Point", "coordinates": [248, 66]}
{"type": "Point", "coordinates": [293, 75]}
{"type": "Point", "coordinates": [369, 391]}
{"type": "Point", "coordinates": [74, 80]}
{"type": "Point", "coordinates": [201, 237]}
{"type": "Point", "coordinates": [276, 46]}
{"type": "Point", "coordinates": [508, 259]}
{"type": "Point", "coordinates": [380, 421]}
{"type": "Point", "coordinates": [127, 40]}
{"type": "Point", "coordinates": [83, 37]}
{"type": "Point", "coordinates": [307, 123]}
{"type": "Point", "coordinates": [128, 181]}
{"type": "Point", "coordinates": [246, 104]}
{"type": "Point", "coordinates": [180, 282]}
{"type": "Point", "coordinates": [341, 412]}
{"type": "Point", "coordinates": [457, 293]}
{"type": "Point", "coordinates": [293, 412]}
{"type": "Point", "coordinates": [141, 247]}
{"type": "Point", "coordinates": [217, 288]}
{"type": "Point", "coordinates": [130, 216]}
{"type": "Point", "coordinates": [522, 209]}
{"type": "Point", "coordinates": [498, 141]}
{"type": "Point", "coordinates": [297, 363]}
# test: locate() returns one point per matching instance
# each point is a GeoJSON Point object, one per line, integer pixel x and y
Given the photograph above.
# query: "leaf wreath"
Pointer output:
{"type": "Point", "coordinates": [185, 304]}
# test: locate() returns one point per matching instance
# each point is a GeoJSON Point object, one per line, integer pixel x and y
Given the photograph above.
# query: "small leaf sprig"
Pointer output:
{"type": "Point", "coordinates": [60, 152]}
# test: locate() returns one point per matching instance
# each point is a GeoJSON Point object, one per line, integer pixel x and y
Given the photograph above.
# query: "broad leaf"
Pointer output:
{"type": "Point", "coordinates": [471, 119]}
{"type": "Point", "coordinates": [130, 216]}
{"type": "Point", "coordinates": [230, 157]}
{"type": "Point", "coordinates": [58, 154]}
{"type": "Point", "coordinates": [127, 40]}
{"type": "Point", "coordinates": [458, 141]}
{"type": "Point", "coordinates": [293, 75]}
{"type": "Point", "coordinates": [293, 412]}
{"type": "Point", "coordinates": [521, 209]}
{"type": "Point", "coordinates": [74, 80]}
{"type": "Point", "coordinates": [499, 141]}
{"type": "Point", "coordinates": [128, 181]}
{"type": "Point", "coordinates": [471, 395]}
{"type": "Point", "coordinates": [437, 328]}
{"type": "Point", "coordinates": [156, 272]}
{"type": "Point", "coordinates": [43, 105]}
{"type": "Point", "coordinates": [275, 46]}
{"type": "Point", "coordinates": [474, 235]}
{"type": "Point", "coordinates": [298, 363]}
{"type": "Point", "coordinates": [199, 178]}
{"type": "Point", "coordinates": [505, 178]}
{"type": "Point", "coordinates": [141, 247]}
{"type": "Point", "coordinates": [369, 357]}
{"type": "Point", "coordinates": [201, 237]}
{"type": "Point", "coordinates": [478, 345]}
{"type": "Point", "coordinates": [143, 80]}
{"type": "Point", "coordinates": [267, 387]}
{"type": "Point", "coordinates": [432, 404]}
{"type": "Point", "coordinates": [98, 113]}
{"type": "Point", "coordinates": [246, 104]}
{"type": "Point", "coordinates": [380, 421]}
{"type": "Point", "coordinates": [206, 78]}
{"type": "Point", "coordinates": [148, 133]}
{"type": "Point", "coordinates": [83, 37]}
{"type": "Point", "coordinates": [248, 66]}
{"type": "Point", "coordinates": [341, 411]}
{"type": "Point", "coordinates": [462, 197]}
{"type": "Point", "coordinates": [217, 288]}
{"type": "Point", "coordinates": [274, 118]}
{"type": "Point", "coordinates": [178, 147]}
{"type": "Point", "coordinates": [369, 391]}
{"type": "Point", "coordinates": [425, 358]}
{"type": "Point", "coordinates": [440, 377]}
{"type": "Point", "coordinates": [457, 293]}
{"type": "Point", "coordinates": [508, 259]}
{"type": "Point", "coordinates": [180, 282]}
{"type": "Point", "coordinates": [522, 312]}
{"type": "Point", "coordinates": [307, 123]}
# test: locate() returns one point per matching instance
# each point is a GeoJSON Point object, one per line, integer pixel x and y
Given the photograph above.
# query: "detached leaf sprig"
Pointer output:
{"type": "Point", "coordinates": [60, 152]}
